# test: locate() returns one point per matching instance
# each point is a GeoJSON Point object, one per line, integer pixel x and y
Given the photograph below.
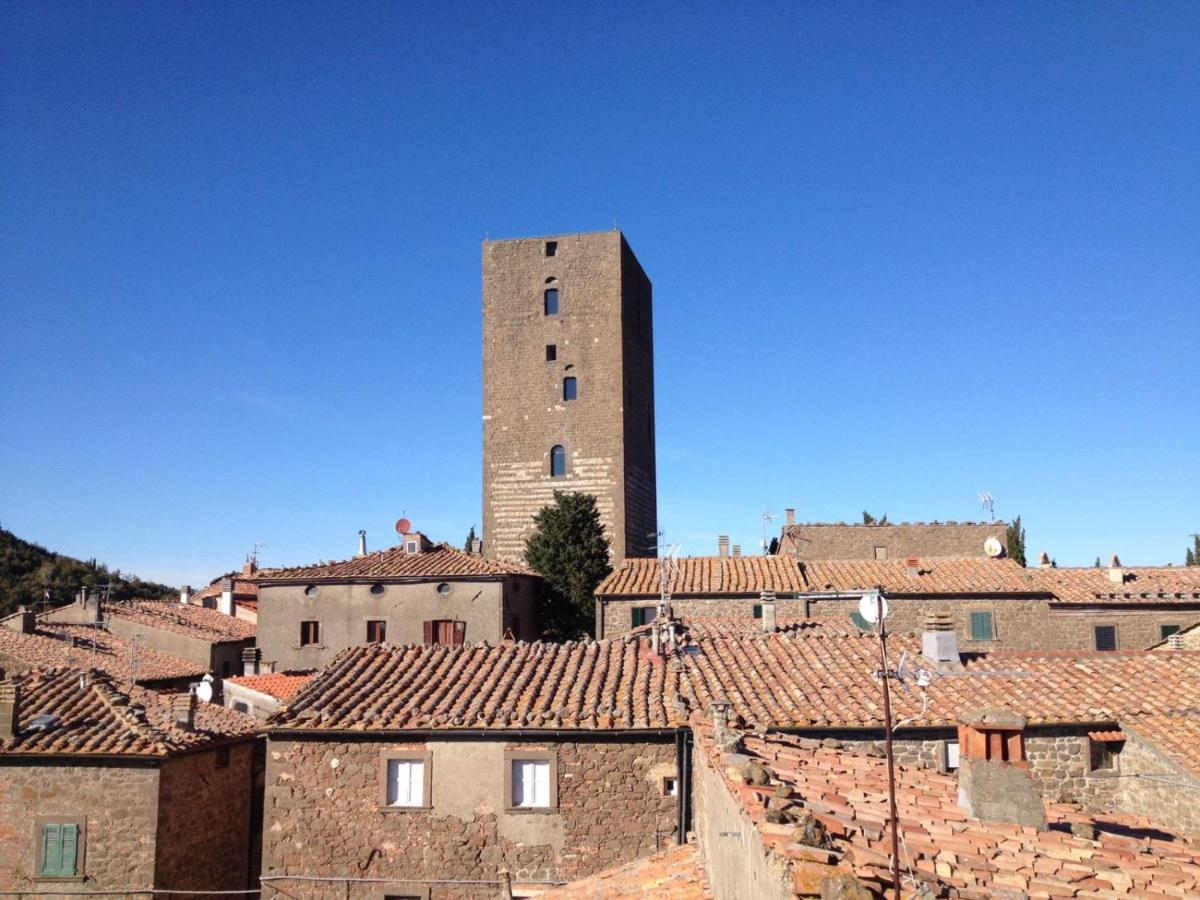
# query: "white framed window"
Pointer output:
{"type": "Point", "coordinates": [405, 782]}
{"type": "Point", "coordinates": [951, 755]}
{"type": "Point", "coordinates": [530, 783]}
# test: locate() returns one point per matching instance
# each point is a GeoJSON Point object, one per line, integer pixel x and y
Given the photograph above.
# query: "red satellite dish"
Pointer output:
{"type": "Point", "coordinates": [403, 526]}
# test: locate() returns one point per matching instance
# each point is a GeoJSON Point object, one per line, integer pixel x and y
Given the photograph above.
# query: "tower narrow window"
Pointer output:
{"type": "Point", "coordinates": [551, 352]}
{"type": "Point", "coordinates": [558, 461]}
{"type": "Point", "coordinates": [551, 301]}
{"type": "Point", "coordinates": [551, 248]}
{"type": "Point", "coordinates": [570, 388]}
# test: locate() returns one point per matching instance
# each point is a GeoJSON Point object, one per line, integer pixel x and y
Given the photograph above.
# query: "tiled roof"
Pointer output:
{"type": "Point", "coordinates": [101, 716]}
{"type": "Point", "coordinates": [1178, 736]}
{"type": "Point", "coordinates": [785, 574]}
{"type": "Point", "coordinates": [280, 685]}
{"type": "Point", "coordinates": [675, 874]}
{"type": "Point", "coordinates": [586, 684]}
{"type": "Point", "coordinates": [243, 589]}
{"type": "Point", "coordinates": [942, 845]}
{"type": "Point", "coordinates": [54, 644]}
{"type": "Point", "coordinates": [1141, 584]}
{"type": "Point", "coordinates": [193, 621]}
{"type": "Point", "coordinates": [443, 561]}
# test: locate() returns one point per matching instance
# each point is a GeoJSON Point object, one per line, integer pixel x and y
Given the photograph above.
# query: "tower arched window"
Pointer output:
{"type": "Point", "coordinates": [550, 301]}
{"type": "Point", "coordinates": [570, 388]}
{"type": "Point", "coordinates": [558, 461]}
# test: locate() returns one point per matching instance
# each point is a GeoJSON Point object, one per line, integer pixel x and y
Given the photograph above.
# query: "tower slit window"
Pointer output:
{"type": "Point", "coordinates": [558, 461]}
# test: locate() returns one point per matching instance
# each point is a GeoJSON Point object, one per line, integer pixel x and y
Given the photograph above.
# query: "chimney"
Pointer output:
{"type": "Point", "coordinates": [939, 641]}
{"type": "Point", "coordinates": [1175, 641]}
{"type": "Point", "coordinates": [362, 542]}
{"type": "Point", "coordinates": [913, 565]}
{"type": "Point", "coordinates": [27, 620]}
{"type": "Point", "coordinates": [250, 566]}
{"type": "Point", "coordinates": [91, 605]}
{"type": "Point", "coordinates": [994, 782]}
{"type": "Point", "coordinates": [789, 516]}
{"type": "Point", "coordinates": [183, 709]}
{"type": "Point", "coordinates": [225, 604]}
{"type": "Point", "coordinates": [476, 547]}
{"type": "Point", "coordinates": [1115, 573]}
{"type": "Point", "coordinates": [185, 594]}
{"type": "Point", "coordinates": [737, 550]}
{"type": "Point", "coordinates": [770, 621]}
{"type": "Point", "coordinates": [250, 657]}
{"type": "Point", "coordinates": [1044, 560]}
{"type": "Point", "coordinates": [10, 702]}
{"type": "Point", "coordinates": [722, 545]}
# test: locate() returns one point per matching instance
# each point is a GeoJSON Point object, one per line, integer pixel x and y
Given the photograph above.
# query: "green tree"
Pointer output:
{"type": "Point", "coordinates": [569, 550]}
{"type": "Point", "coordinates": [1192, 558]}
{"type": "Point", "coordinates": [1015, 535]}
{"type": "Point", "coordinates": [869, 519]}
{"type": "Point", "coordinates": [469, 543]}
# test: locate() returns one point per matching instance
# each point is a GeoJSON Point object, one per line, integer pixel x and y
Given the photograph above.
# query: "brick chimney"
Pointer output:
{"type": "Point", "coordinates": [250, 657]}
{"type": "Point", "coordinates": [185, 594]}
{"type": "Point", "coordinates": [770, 619]}
{"type": "Point", "coordinates": [939, 641]}
{"type": "Point", "coordinates": [183, 709]}
{"type": "Point", "coordinates": [10, 702]}
{"type": "Point", "coordinates": [994, 782]}
{"type": "Point", "coordinates": [722, 545]}
{"type": "Point", "coordinates": [789, 516]}
{"type": "Point", "coordinates": [1115, 573]}
{"type": "Point", "coordinates": [913, 566]}
{"type": "Point", "coordinates": [225, 603]}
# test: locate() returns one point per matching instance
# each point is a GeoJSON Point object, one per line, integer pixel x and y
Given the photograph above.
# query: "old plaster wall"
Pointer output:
{"type": "Point", "coordinates": [1153, 785]}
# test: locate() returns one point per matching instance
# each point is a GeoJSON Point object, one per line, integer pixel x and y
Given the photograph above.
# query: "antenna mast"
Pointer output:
{"type": "Point", "coordinates": [767, 518]}
{"type": "Point", "coordinates": [988, 502]}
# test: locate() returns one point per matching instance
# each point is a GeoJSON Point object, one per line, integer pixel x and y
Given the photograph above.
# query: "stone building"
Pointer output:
{"type": "Point", "coordinates": [568, 387]}
{"type": "Point", "coordinates": [899, 540]}
{"type": "Point", "coordinates": [990, 603]}
{"type": "Point", "coordinates": [107, 787]}
{"type": "Point", "coordinates": [417, 592]}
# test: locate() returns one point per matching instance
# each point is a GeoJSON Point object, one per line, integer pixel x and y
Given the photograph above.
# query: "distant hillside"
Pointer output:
{"type": "Point", "coordinates": [28, 571]}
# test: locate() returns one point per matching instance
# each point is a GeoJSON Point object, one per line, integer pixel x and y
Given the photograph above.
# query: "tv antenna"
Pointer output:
{"type": "Point", "coordinates": [988, 502]}
{"type": "Point", "coordinates": [767, 518]}
{"type": "Point", "coordinates": [257, 546]}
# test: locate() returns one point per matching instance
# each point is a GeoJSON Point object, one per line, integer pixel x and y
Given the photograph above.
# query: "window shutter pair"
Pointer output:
{"type": "Point", "coordinates": [60, 850]}
{"type": "Point", "coordinates": [981, 626]}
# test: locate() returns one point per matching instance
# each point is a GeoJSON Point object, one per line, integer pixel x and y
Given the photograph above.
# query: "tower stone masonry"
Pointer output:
{"type": "Point", "coordinates": [568, 388]}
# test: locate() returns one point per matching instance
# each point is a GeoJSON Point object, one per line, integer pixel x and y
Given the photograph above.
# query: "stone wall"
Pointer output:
{"type": "Point", "coordinates": [203, 833]}
{"type": "Point", "coordinates": [845, 541]}
{"type": "Point", "coordinates": [610, 810]}
{"type": "Point", "coordinates": [119, 803]}
{"type": "Point", "coordinates": [603, 338]}
{"type": "Point", "coordinates": [1153, 785]}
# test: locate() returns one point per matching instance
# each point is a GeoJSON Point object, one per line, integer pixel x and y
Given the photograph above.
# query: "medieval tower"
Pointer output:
{"type": "Point", "coordinates": [568, 388]}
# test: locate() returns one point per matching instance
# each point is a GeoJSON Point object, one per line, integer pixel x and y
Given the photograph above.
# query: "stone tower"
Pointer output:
{"type": "Point", "coordinates": [568, 387]}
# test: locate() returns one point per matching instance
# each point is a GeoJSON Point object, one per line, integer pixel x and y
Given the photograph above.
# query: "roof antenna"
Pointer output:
{"type": "Point", "coordinates": [767, 518]}
{"type": "Point", "coordinates": [988, 502]}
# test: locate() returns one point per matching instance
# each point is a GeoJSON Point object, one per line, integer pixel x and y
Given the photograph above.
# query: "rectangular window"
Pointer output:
{"type": "Point", "coordinates": [551, 301]}
{"type": "Point", "coordinates": [570, 388]}
{"type": "Point", "coordinates": [59, 851]}
{"type": "Point", "coordinates": [551, 248]}
{"type": "Point", "coordinates": [642, 615]}
{"type": "Point", "coordinates": [551, 352]}
{"type": "Point", "coordinates": [881, 552]}
{"type": "Point", "coordinates": [1106, 637]}
{"type": "Point", "coordinates": [376, 631]}
{"type": "Point", "coordinates": [530, 783]}
{"type": "Point", "coordinates": [445, 631]}
{"type": "Point", "coordinates": [951, 755]}
{"type": "Point", "coordinates": [670, 786]}
{"type": "Point", "coordinates": [1103, 754]}
{"type": "Point", "coordinates": [406, 782]}
{"type": "Point", "coordinates": [982, 626]}
{"type": "Point", "coordinates": [756, 610]}
{"type": "Point", "coordinates": [310, 634]}
{"type": "Point", "coordinates": [1165, 631]}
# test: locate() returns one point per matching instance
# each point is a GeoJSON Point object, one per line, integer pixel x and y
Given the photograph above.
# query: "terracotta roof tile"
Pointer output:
{"type": "Point", "coordinates": [193, 621]}
{"type": "Point", "coordinates": [707, 575]}
{"type": "Point", "coordinates": [54, 644]}
{"type": "Point", "coordinates": [100, 715]}
{"type": "Point", "coordinates": [943, 846]}
{"type": "Point", "coordinates": [443, 561]}
{"type": "Point", "coordinates": [675, 874]}
{"type": "Point", "coordinates": [1177, 736]}
{"type": "Point", "coordinates": [1141, 584]}
{"type": "Point", "coordinates": [280, 685]}
{"type": "Point", "coordinates": [243, 589]}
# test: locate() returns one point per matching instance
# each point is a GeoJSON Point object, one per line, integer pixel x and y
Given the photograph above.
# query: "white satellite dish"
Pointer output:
{"type": "Point", "coordinates": [993, 548]}
{"type": "Point", "coordinates": [204, 691]}
{"type": "Point", "coordinates": [869, 606]}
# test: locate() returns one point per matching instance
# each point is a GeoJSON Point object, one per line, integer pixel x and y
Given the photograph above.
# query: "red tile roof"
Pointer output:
{"type": "Point", "coordinates": [243, 589]}
{"type": "Point", "coordinates": [442, 561]}
{"type": "Point", "coordinates": [102, 716]}
{"type": "Point", "coordinates": [193, 621]}
{"type": "Point", "coordinates": [615, 684]}
{"type": "Point", "coordinates": [675, 874]}
{"type": "Point", "coordinates": [1141, 584]}
{"type": "Point", "coordinates": [280, 685]}
{"type": "Point", "coordinates": [943, 846]}
{"type": "Point", "coordinates": [706, 575]}
{"type": "Point", "coordinates": [1177, 736]}
{"type": "Point", "coordinates": [54, 644]}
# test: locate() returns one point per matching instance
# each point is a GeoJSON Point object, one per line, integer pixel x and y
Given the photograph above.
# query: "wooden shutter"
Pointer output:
{"type": "Point", "coordinates": [70, 849]}
{"type": "Point", "coordinates": [51, 849]}
{"type": "Point", "coordinates": [981, 626]}
{"type": "Point", "coordinates": [460, 633]}
{"type": "Point", "coordinates": [429, 631]}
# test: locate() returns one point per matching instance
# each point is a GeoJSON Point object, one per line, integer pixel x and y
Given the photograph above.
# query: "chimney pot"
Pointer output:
{"type": "Point", "coordinates": [185, 594]}
{"type": "Point", "coordinates": [225, 604]}
{"type": "Point", "coordinates": [1044, 559]}
{"type": "Point", "coordinates": [789, 516]}
{"type": "Point", "coordinates": [250, 657]}
{"type": "Point", "coordinates": [1175, 641]}
{"type": "Point", "coordinates": [994, 782]}
{"type": "Point", "coordinates": [476, 547]}
{"type": "Point", "coordinates": [939, 641]}
{"type": "Point", "coordinates": [723, 545]}
{"type": "Point", "coordinates": [913, 566]}
{"type": "Point", "coordinates": [10, 703]}
{"type": "Point", "coordinates": [250, 566]}
{"type": "Point", "coordinates": [184, 708]}
{"type": "Point", "coordinates": [362, 542]}
{"type": "Point", "coordinates": [736, 550]}
{"type": "Point", "coordinates": [1115, 573]}
{"type": "Point", "coordinates": [770, 616]}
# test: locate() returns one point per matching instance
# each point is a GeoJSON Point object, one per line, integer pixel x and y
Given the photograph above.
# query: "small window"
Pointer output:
{"type": "Point", "coordinates": [551, 352]}
{"type": "Point", "coordinates": [670, 786]}
{"type": "Point", "coordinates": [551, 301]}
{"type": "Point", "coordinates": [377, 589]}
{"type": "Point", "coordinates": [642, 615]}
{"type": "Point", "coordinates": [59, 851]}
{"type": "Point", "coordinates": [241, 707]}
{"type": "Point", "coordinates": [1103, 754]}
{"type": "Point", "coordinates": [406, 782]}
{"type": "Point", "coordinates": [756, 610]}
{"type": "Point", "coordinates": [376, 631]}
{"type": "Point", "coordinates": [530, 784]}
{"type": "Point", "coordinates": [1165, 631]}
{"type": "Point", "coordinates": [951, 755]}
{"type": "Point", "coordinates": [552, 248]}
{"type": "Point", "coordinates": [1106, 637]}
{"type": "Point", "coordinates": [881, 552]}
{"type": "Point", "coordinates": [445, 631]}
{"type": "Point", "coordinates": [412, 547]}
{"type": "Point", "coordinates": [444, 589]}
{"type": "Point", "coordinates": [310, 633]}
{"type": "Point", "coordinates": [558, 461]}
{"type": "Point", "coordinates": [311, 591]}
{"type": "Point", "coordinates": [222, 760]}
{"type": "Point", "coordinates": [982, 626]}
{"type": "Point", "coordinates": [570, 388]}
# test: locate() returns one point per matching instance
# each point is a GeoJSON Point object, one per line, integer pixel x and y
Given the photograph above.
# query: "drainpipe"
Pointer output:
{"type": "Point", "coordinates": [683, 769]}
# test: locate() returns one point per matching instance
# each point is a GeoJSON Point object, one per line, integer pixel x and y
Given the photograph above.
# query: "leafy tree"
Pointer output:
{"type": "Point", "coordinates": [569, 550]}
{"type": "Point", "coordinates": [469, 543]}
{"type": "Point", "coordinates": [869, 519]}
{"type": "Point", "coordinates": [1192, 558]}
{"type": "Point", "coordinates": [773, 547]}
{"type": "Point", "coordinates": [1015, 535]}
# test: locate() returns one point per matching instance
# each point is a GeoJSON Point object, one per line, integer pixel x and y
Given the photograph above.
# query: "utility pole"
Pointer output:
{"type": "Point", "coordinates": [886, 675]}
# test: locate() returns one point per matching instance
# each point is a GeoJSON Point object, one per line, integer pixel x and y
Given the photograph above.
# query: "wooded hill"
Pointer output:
{"type": "Point", "coordinates": [28, 573]}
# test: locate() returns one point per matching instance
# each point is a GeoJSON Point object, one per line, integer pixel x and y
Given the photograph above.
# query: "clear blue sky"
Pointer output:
{"type": "Point", "coordinates": [901, 254]}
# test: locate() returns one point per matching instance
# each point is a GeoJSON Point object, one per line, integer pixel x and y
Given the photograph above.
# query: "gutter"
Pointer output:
{"type": "Point", "coordinates": [487, 734]}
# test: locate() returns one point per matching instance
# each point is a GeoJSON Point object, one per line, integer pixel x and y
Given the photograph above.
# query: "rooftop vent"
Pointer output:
{"type": "Point", "coordinates": [723, 545]}
{"type": "Point", "coordinates": [362, 542]}
{"type": "Point", "coordinates": [1115, 573]}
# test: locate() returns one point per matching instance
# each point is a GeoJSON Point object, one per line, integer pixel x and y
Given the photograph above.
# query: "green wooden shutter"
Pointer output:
{"type": "Point", "coordinates": [51, 849]}
{"type": "Point", "coordinates": [757, 610]}
{"type": "Point", "coordinates": [981, 626]}
{"type": "Point", "coordinates": [637, 618]}
{"type": "Point", "coordinates": [70, 849]}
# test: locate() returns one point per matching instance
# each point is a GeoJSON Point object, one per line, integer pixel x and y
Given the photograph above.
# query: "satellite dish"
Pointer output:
{"type": "Point", "coordinates": [403, 526]}
{"type": "Point", "coordinates": [993, 548]}
{"type": "Point", "coordinates": [868, 606]}
{"type": "Point", "coordinates": [204, 692]}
